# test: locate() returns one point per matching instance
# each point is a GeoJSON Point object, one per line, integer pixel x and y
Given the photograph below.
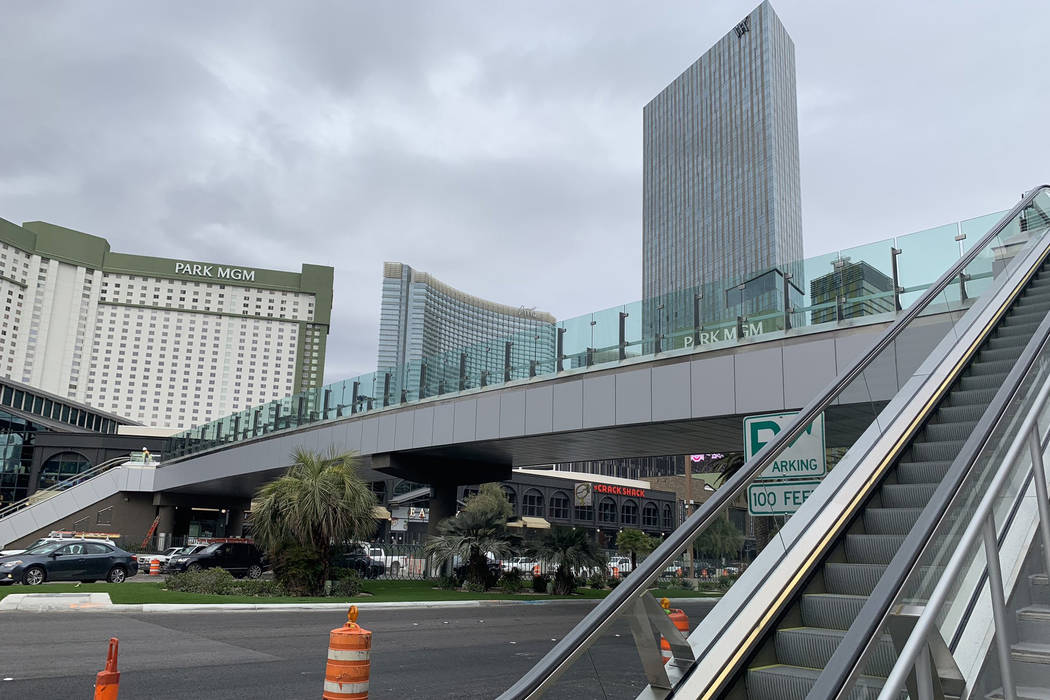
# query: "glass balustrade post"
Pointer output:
{"type": "Point", "coordinates": [697, 326]}
{"type": "Point", "coordinates": [423, 381]}
{"type": "Point", "coordinates": [1039, 476]}
{"type": "Point", "coordinates": [560, 349]}
{"type": "Point", "coordinates": [276, 417]}
{"type": "Point", "coordinates": [462, 371]}
{"type": "Point", "coordinates": [506, 360]}
{"type": "Point", "coordinates": [255, 422]}
{"type": "Point", "coordinates": [623, 335]}
{"type": "Point", "coordinates": [386, 389]}
{"type": "Point", "coordinates": [995, 585]}
{"type": "Point", "coordinates": [532, 368]}
{"type": "Point", "coordinates": [739, 327]}
{"type": "Point", "coordinates": [897, 289]}
{"type": "Point", "coordinates": [404, 395]}
{"type": "Point", "coordinates": [839, 310]}
{"type": "Point", "coordinates": [300, 408]}
{"type": "Point", "coordinates": [484, 378]}
{"type": "Point", "coordinates": [353, 397]}
{"type": "Point", "coordinates": [236, 428]}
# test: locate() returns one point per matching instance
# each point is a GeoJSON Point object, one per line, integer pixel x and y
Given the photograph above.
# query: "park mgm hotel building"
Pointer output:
{"type": "Point", "coordinates": [170, 343]}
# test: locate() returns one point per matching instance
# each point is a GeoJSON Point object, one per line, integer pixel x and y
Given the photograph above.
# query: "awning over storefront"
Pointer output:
{"type": "Point", "coordinates": [381, 513]}
{"type": "Point", "coordinates": [423, 493]}
{"type": "Point", "coordinates": [530, 522]}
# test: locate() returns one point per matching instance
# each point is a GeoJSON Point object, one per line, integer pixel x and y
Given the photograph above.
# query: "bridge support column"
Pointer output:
{"type": "Point", "coordinates": [165, 526]}
{"type": "Point", "coordinates": [442, 505]}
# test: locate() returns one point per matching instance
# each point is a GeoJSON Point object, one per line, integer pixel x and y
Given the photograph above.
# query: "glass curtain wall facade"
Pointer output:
{"type": "Point", "coordinates": [424, 323]}
{"type": "Point", "coordinates": [721, 195]}
{"type": "Point", "coordinates": [17, 437]}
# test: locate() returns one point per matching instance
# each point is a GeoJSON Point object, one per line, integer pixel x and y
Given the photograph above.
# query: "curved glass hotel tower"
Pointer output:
{"type": "Point", "coordinates": [432, 337]}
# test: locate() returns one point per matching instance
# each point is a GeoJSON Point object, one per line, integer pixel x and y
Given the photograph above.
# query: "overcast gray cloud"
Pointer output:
{"type": "Point", "coordinates": [496, 146]}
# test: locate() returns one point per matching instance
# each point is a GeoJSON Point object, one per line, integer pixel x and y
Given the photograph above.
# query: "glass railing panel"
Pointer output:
{"type": "Point", "coordinates": [924, 255]}
{"type": "Point", "coordinates": [973, 229]}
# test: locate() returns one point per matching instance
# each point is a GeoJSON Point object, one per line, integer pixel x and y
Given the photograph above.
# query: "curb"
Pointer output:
{"type": "Point", "coordinates": [101, 603]}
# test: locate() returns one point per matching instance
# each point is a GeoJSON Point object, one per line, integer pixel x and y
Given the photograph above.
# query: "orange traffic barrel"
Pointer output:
{"type": "Point", "coordinates": [349, 661]}
{"type": "Point", "coordinates": [154, 567]}
{"type": "Point", "coordinates": [680, 620]}
{"type": "Point", "coordinates": [107, 682]}
{"type": "Point", "coordinates": [535, 569]}
{"type": "Point", "coordinates": [616, 572]}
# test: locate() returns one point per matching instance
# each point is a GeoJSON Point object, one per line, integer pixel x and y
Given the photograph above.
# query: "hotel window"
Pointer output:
{"type": "Point", "coordinates": [629, 513]}
{"type": "Point", "coordinates": [650, 516]}
{"type": "Point", "coordinates": [607, 510]}
{"type": "Point", "coordinates": [559, 508]}
{"type": "Point", "coordinates": [532, 503]}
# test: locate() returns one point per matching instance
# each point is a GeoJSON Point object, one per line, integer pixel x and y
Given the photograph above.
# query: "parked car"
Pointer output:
{"type": "Point", "coordinates": [63, 560]}
{"type": "Point", "coordinates": [165, 566]}
{"type": "Point", "coordinates": [161, 557]}
{"type": "Point", "coordinates": [621, 564]}
{"type": "Point", "coordinates": [393, 563]}
{"type": "Point", "coordinates": [523, 564]}
{"type": "Point", "coordinates": [58, 536]}
{"type": "Point", "coordinates": [239, 558]}
{"type": "Point", "coordinates": [355, 558]}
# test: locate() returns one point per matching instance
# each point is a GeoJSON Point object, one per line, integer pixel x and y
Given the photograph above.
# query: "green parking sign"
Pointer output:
{"type": "Point", "coordinates": [805, 457]}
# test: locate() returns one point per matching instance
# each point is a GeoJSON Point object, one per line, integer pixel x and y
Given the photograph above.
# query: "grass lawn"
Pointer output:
{"type": "Point", "coordinates": [381, 592]}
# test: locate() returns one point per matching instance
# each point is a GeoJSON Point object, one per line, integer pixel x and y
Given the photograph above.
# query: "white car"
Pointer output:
{"type": "Point", "coordinates": [621, 564]}
{"type": "Point", "coordinates": [523, 564]}
{"type": "Point", "coordinates": [162, 558]}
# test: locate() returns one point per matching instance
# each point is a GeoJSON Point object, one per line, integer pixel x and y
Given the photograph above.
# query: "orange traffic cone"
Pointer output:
{"type": "Point", "coordinates": [349, 661]}
{"type": "Point", "coordinates": [107, 682]}
{"type": "Point", "coordinates": [680, 620]}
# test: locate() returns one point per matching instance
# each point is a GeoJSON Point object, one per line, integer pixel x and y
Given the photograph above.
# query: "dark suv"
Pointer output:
{"type": "Point", "coordinates": [239, 558]}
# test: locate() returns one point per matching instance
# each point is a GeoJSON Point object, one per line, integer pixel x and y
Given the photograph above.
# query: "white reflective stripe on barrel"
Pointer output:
{"type": "Point", "coordinates": [341, 655]}
{"type": "Point", "coordinates": [333, 687]}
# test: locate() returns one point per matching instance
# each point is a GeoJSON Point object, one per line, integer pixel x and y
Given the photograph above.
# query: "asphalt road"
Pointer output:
{"type": "Point", "coordinates": [416, 653]}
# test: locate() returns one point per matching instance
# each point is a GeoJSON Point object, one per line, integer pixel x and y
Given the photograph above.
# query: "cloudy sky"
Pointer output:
{"type": "Point", "coordinates": [495, 145]}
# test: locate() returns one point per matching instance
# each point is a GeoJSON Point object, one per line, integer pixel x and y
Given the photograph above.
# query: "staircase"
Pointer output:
{"type": "Point", "coordinates": [793, 655]}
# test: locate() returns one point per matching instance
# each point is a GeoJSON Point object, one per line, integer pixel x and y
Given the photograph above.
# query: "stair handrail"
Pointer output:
{"type": "Point", "coordinates": [63, 485]}
{"type": "Point", "coordinates": [982, 524]}
{"type": "Point", "coordinates": [586, 632]}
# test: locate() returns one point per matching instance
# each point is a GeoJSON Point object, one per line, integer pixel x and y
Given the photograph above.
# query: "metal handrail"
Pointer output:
{"type": "Point", "coordinates": [982, 524]}
{"type": "Point", "coordinates": [550, 667]}
{"type": "Point", "coordinates": [64, 485]}
{"type": "Point", "coordinates": [846, 663]}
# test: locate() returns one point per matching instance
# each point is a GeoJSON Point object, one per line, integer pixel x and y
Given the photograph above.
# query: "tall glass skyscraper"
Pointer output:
{"type": "Point", "coordinates": [721, 197]}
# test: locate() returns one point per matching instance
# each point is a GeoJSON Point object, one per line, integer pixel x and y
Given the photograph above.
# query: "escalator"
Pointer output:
{"type": "Point", "coordinates": [789, 659]}
{"type": "Point", "coordinates": [803, 605]}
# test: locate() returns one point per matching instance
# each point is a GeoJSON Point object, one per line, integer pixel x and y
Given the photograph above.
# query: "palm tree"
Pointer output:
{"type": "Point", "coordinates": [720, 539]}
{"type": "Point", "coordinates": [569, 548]}
{"type": "Point", "coordinates": [468, 536]}
{"type": "Point", "coordinates": [635, 542]}
{"type": "Point", "coordinates": [319, 502]}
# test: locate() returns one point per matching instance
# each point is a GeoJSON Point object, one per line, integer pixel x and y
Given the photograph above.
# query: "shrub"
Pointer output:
{"type": "Point", "coordinates": [539, 583]}
{"type": "Point", "coordinates": [510, 582]}
{"type": "Point", "coordinates": [206, 581]}
{"type": "Point", "coordinates": [475, 587]}
{"type": "Point", "coordinates": [298, 570]}
{"type": "Point", "coordinates": [596, 580]}
{"type": "Point", "coordinates": [724, 582]}
{"type": "Point", "coordinates": [614, 582]}
{"type": "Point", "coordinates": [220, 582]}
{"type": "Point", "coordinates": [346, 583]}
{"type": "Point", "coordinates": [449, 582]}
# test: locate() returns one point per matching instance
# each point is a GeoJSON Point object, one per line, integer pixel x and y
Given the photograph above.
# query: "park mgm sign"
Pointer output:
{"type": "Point", "coordinates": [221, 272]}
{"type": "Point", "coordinates": [787, 482]}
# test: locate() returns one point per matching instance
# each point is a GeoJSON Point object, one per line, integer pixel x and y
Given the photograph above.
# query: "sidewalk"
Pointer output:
{"type": "Point", "coordinates": [100, 602]}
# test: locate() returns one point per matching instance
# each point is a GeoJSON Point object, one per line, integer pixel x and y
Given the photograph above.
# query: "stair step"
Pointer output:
{"type": "Point", "coordinates": [956, 414]}
{"type": "Point", "coordinates": [1023, 692]}
{"type": "Point", "coordinates": [912, 472]}
{"type": "Point", "coordinates": [831, 610]}
{"type": "Point", "coordinates": [782, 682]}
{"type": "Point", "coordinates": [890, 521]}
{"type": "Point", "coordinates": [872, 549]}
{"type": "Point", "coordinates": [948, 432]}
{"type": "Point", "coordinates": [978, 397]}
{"type": "Point", "coordinates": [813, 647]}
{"type": "Point", "coordinates": [852, 579]}
{"type": "Point", "coordinates": [907, 495]}
{"type": "Point", "coordinates": [982, 381]}
{"type": "Point", "coordinates": [1031, 652]}
{"type": "Point", "coordinates": [936, 451]}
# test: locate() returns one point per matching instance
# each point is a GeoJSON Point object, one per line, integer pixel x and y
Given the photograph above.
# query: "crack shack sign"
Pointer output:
{"type": "Point", "coordinates": [221, 272]}
{"type": "Point", "coordinates": [805, 458]}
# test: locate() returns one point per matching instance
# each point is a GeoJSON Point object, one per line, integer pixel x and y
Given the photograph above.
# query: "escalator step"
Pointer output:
{"type": "Point", "coordinates": [1010, 353]}
{"type": "Point", "coordinates": [981, 381]}
{"type": "Point", "coordinates": [1029, 314]}
{"type": "Point", "coordinates": [813, 647]}
{"type": "Point", "coordinates": [983, 366]}
{"type": "Point", "coordinates": [851, 579]}
{"type": "Point", "coordinates": [947, 432]}
{"type": "Point", "coordinates": [936, 451]}
{"type": "Point", "coordinates": [922, 472]}
{"type": "Point", "coordinates": [957, 414]}
{"type": "Point", "coordinates": [890, 521]}
{"type": "Point", "coordinates": [1000, 342]}
{"type": "Point", "coordinates": [872, 549]}
{"type": "Point", "coordinates": [975, 397]}
{"type": "Point", "coordinates": [781, 682]}
{"type": "Point", "coordinates": [830, 610]}
{"type": "Point", "coordinates": [1006, 329]}
{"type": "Point", "coordinates": [907, 495]}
